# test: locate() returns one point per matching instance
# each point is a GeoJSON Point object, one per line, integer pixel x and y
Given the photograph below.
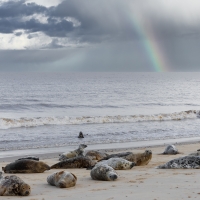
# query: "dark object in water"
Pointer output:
{"type": "Point", "coordinates": [80, 135]}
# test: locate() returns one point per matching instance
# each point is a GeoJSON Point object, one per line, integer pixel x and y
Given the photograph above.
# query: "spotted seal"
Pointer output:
{"type": "Point", "coordinates": [170, 150]}
{"type": "Point", "coordinates": [26, 166]}
{"type": "Point", "coordinates": [104, 173]}
{"type": "Point", "coordinates": [13, 186]}
{"type": "Point", "coordinates": [96, 155]}
{"type": "Point", "coordinates": [186, 162]}
{"type": "Point", "coordinates": [72, 154]}
{"type": "Point", "coordinates": [117, 163]}
{"type": "Point", "coordinates": [62, 179]}
{"type": "Point", "coordinates": [77, 162]}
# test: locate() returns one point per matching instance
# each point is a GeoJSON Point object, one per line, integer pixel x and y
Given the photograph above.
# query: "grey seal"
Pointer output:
{"type": "Point", "coordinates": [72, 154]}
{"type": "Point", "coordinates": [77, 162]}
{"type": "Point", "coordinates": [117, 163]}
{"type": "Point", "coordinates": [26, 166]}
{"type": "Point", "coordinates": [104, 173]}
{"type": "Point", "coordinates": [13, 186]}
{"type": "Point", "coordinates": [62, 179]}
{"type": "Point", "coordinates": [170, 150]}
{"type": "Point", "coordinates": [186, 162]}
{"type": "Point", "coordinates": [96, 155]}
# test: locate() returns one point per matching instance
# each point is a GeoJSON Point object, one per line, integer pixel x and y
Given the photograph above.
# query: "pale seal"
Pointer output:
{"type": "Point", "coordinates": [104, 173]}
{"type": "Point", "coordinates": [77, 162]}
{"type": "Point", "coordinates": [72, 154]}
{"type": "Point", "coordinates": [63, 179]}
{"type": "Point", "coordinates": [139, 159]}
{"type": "Point", "coordinates": [117, 163]}
{"type": "Point", "coordinates": [13, 186]}
{"type": "Point", "coordinates": [170, 150]}
{"type": "Point", "coordinates": [26, 166]}
{"type": "Point", "coordinates": [96, 155]}
{"type": "Point", "coordinates": [186, 162]}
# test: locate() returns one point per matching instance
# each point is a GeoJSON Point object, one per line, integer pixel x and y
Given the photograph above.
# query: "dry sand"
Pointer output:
{"type": "Point", "coordinates": [139, 183]}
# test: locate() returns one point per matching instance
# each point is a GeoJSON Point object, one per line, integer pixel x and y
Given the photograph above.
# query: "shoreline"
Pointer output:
{"type": "Point", "coordinates": [48, 153]}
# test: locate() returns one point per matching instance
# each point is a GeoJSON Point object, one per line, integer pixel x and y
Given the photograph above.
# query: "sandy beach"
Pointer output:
{"type": "Point", "coordinates": [141, 182]}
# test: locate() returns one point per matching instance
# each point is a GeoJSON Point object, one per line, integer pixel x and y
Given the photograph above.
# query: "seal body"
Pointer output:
{"type": "Point", "coordinates": [77, 162]}
{"type": "Point", "coordinates": [139, 159]}
{"type": "Point", "coordinates": [29, 158]}
{"type": "Point", "coordinates": [103, 172]}
{"type": "Point", "coordinates": [171, 150]}
{"type": "Point", "coordinates": [13, 186]}
{"type": "Point", "coordinates": [26, 166]}
{"type": "Point", "coordinates": [72, 154]}
{"type": "Point", "coordinates": [117, 155]}
{"type": "Point", "coordinates": [186, 162]}
{"type": "Point", "coordinates": [96, 155]}
{"type": "Point", "coordinates": [63, 179]}
{"type": "Point", "coordinates": [117, 163]}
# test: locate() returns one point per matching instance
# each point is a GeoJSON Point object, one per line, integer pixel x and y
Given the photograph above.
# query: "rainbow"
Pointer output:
{"type": "Point", "coordinates": [151, 46]}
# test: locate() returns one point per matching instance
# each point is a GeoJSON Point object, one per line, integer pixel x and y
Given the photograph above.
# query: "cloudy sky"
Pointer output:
{"type": "Point", "coordinates": [99, 35]}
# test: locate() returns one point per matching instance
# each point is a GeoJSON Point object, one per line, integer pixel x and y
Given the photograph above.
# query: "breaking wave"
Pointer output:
{"type": "Point", "coordinates": [6, 123]}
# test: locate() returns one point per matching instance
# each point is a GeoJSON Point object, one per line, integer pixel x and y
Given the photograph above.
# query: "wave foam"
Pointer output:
{"type": "Point", "coordinates": [6, 123]}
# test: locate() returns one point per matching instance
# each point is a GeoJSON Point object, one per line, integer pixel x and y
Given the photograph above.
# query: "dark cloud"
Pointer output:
{"type": "Point", "coordinates": [19, 8]}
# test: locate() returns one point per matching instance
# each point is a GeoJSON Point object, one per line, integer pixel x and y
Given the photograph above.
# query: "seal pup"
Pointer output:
{"type": "Point", "coordinates": [13, 186]}
{"type": "Point", "coordinates": [29, 158]}
{"type": "Point", "coordinates": [104, 173]}
{"type": "Point", "coordinates": [80, 135]}
{"type": "Point", "coordinates": [186, 162]}
{"type": "Point", "coordinates": [140, 159]}
{"type": "Point", "coordinates": [77, 162]}
{"type": "Point", "coordinates": [170, 150]}
{"type": "Point", "coordinates": [96, 155]}
{"type": "Point", "coordinates": [26, 166]}
{"type": "Point", "coordinates": [72, 154]}
{"type": "Point", "coordinates": [62, 179]}
{"type": "Point", "coordinates": [117, 163]}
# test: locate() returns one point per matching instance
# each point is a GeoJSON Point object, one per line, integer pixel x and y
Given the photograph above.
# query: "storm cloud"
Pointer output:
{"type": "Point", "coordinates": [99, 35]}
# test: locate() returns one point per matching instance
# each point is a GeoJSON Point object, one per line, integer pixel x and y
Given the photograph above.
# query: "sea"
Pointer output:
{"type": "Point", "coordinates": [45, 110]}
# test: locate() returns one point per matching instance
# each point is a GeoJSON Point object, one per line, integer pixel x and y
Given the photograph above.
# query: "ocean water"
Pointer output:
{"type": "Point", "coordinates": [50, 109]}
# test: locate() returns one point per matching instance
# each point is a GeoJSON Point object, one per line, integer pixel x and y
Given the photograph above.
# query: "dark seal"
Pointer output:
{"type": "Point", "coordinates": [77, 162]}
{"type": "Point", "coordinates": [26, 166]}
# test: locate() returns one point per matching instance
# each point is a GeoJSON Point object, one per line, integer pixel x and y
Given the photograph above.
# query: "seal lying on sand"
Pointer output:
{"type": "Point", "coordinates": [77, 162]}
{"type": "Point", "coordinates": [170, 150]}
{"type": "Point", "coordinates": [63, 179]}
{"type": "Point", "coordinates": [117, 155]}
{"type": "Point", "coordinates": [13, 186]}
{"type": "Point", "coordinates": [26, 166]}
{"type": "Point", "coordinates": [117, 163]}
{"type": "Point", "coordinates": [29, 158]}
{"type": "Point", "coordinates": [139, 159]}
{"type": "Point", "coordinates": [187, 162]}
{"type": "Point", "coordinates": [72, 154]}
{"type": "Point", "coordinates": [104, 173]}
{"type": "Point", "coordinates": [96, 155]}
